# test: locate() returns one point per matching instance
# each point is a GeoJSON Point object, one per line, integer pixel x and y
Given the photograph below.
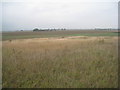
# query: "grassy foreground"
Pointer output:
{"type": "Point", "coordinates": [82, 62]}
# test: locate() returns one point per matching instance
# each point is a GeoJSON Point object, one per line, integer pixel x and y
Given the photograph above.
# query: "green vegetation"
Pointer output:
{"type": "Point", "coordinates": [96, 34]}
{"type": "Point", "coordinates": [46, 34]}
{"type": "Point", "coordinates": [8, 37]}
{"type": "Point", "coordinates": [61, 63]}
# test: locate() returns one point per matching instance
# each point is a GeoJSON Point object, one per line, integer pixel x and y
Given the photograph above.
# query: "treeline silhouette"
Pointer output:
{"type": "Point", "coordinates": [36, 29]}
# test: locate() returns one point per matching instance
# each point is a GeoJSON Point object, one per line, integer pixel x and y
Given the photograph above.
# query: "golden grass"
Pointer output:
{"type": "Point", "coordinates": [72, 62]}
{"type": "Point", "coordinates": [1, 65]}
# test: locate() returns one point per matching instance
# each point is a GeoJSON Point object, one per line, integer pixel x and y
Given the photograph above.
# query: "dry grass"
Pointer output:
{"type": "Point", "coordinates": [72, 62]}
{"type": "Point", "coordinates": [0, 65]}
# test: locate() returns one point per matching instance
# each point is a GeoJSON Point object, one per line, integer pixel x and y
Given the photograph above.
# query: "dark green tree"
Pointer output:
{"type": "Point", "coordinates": [36, 29]}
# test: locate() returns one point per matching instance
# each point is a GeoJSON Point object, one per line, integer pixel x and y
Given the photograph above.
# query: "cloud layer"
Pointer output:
{"type": "Point", "coordinates": [29, 15]}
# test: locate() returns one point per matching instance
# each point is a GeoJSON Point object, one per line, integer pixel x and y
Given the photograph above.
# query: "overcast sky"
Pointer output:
{"type": "Point", "coordinates": [78, 14]}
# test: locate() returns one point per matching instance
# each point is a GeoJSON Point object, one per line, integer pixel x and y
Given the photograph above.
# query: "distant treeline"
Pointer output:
{"type": "Point", "coordinates": [36, 29]}
{"type": "Point", "coordinates": [105, 29]}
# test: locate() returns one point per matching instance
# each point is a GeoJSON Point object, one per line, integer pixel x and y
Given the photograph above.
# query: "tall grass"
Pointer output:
{"type": "Point", "coordinates": [53, 63]}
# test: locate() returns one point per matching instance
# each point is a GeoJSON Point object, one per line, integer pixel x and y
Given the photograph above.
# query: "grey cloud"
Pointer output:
{"type": "Point", "coordinates": [24, 15]}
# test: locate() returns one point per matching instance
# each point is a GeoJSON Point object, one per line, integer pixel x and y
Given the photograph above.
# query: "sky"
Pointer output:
{"type": "Point", "coordinates": [69, 14]}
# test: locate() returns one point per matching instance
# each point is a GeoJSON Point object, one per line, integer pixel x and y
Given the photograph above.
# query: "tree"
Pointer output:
{"type": "Point", "coordinates": [36, 29]}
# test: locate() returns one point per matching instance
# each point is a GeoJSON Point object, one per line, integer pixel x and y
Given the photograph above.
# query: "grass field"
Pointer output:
{"type": "Point", "coordinates": [46, 34]}
{"type": "Point", "coordinates": [67, 62]}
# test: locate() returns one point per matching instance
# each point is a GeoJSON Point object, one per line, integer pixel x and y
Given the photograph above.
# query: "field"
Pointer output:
{"type": "Point", "coordinates": [46, 34]}
{"type": "Point", "coordinates": [62, 59]}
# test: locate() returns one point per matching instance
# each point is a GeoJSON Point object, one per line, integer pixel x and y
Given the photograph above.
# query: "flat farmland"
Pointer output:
{"type": "Point", "coordinates": [45, 34]}
{"type": "Point", "coordinates": [60, 59]}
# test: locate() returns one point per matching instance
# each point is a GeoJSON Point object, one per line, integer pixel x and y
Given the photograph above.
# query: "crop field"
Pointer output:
{"type": "Point", "coordinates": [60, 59]}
